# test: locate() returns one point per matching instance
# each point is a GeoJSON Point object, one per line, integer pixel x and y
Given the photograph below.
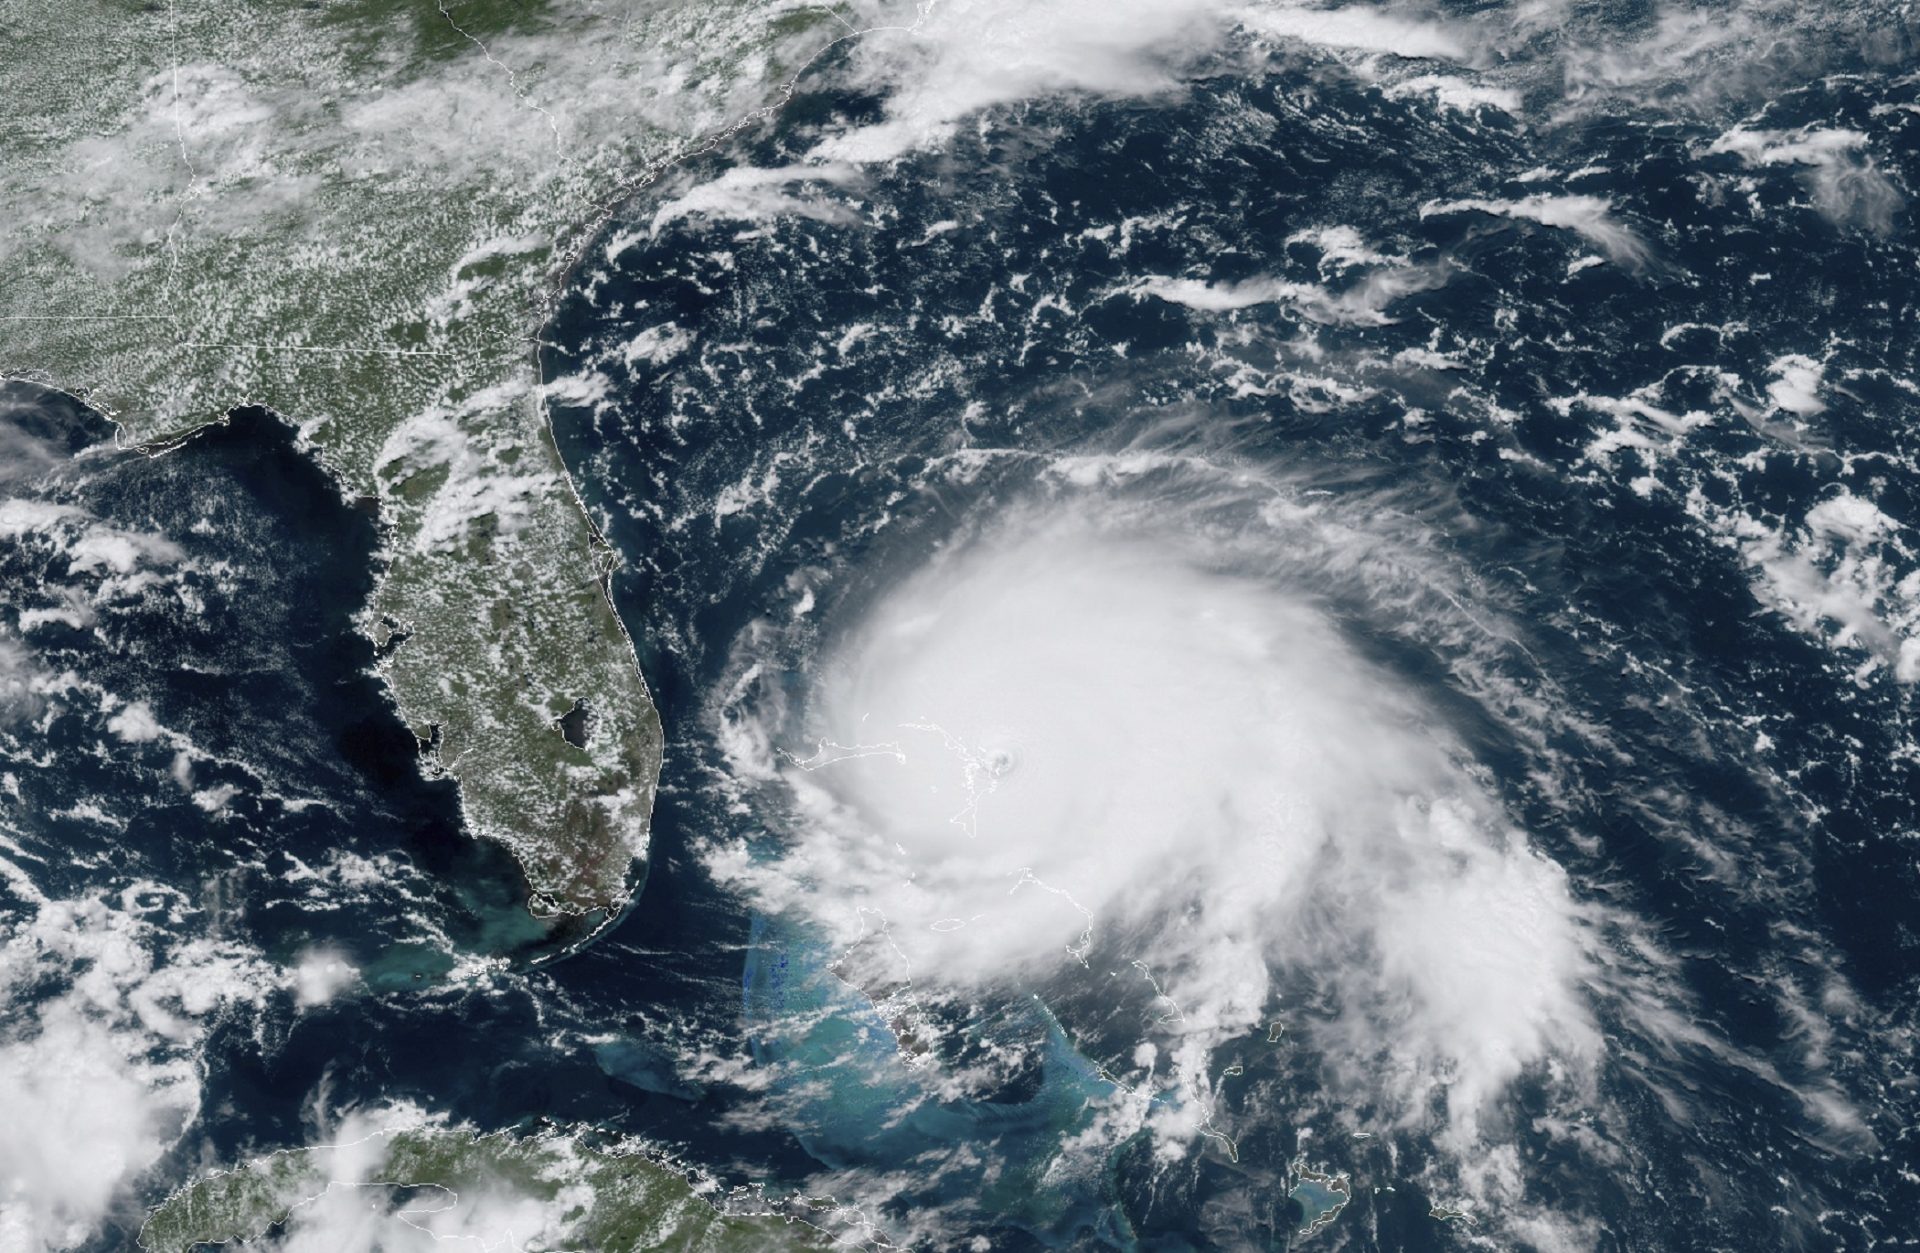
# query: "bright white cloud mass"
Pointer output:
{"type": "Point", "coordinates": [1118, 741]}
{"type": "Point", "coordinates": [101, 1077]}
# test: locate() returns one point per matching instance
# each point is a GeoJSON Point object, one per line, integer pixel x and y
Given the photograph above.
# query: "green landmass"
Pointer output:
{"type": "Point", "coordinates": [547, 1192]}
{"type": "Point", "coordinates": [356, 212]}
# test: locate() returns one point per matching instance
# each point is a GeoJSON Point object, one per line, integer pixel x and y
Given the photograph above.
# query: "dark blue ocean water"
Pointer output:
{"type": "Point", "coordinates": [981, 302]}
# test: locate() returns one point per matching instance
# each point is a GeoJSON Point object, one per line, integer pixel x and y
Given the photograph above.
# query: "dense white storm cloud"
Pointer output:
{"type": "Point", "coordinates": [99, 1077]}
{"type": "Point", "coordinates": [1101, 741]}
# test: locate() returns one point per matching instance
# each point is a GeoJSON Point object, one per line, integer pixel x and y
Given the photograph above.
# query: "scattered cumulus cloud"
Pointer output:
{"type": "Point", "coordinates": [1590, 217]}
{"type": "Point", "coordinates": [1848, 189]}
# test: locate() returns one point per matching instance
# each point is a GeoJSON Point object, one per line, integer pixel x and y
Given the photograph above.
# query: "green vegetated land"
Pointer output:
{"type": "Point", "coordinates": [453, 1183]}
{"type": "Point", "coordinates": [353, 212]}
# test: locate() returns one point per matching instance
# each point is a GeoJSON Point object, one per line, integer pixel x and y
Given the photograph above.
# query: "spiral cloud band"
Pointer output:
{"type": "Point", "coordinates": [1113, 745]}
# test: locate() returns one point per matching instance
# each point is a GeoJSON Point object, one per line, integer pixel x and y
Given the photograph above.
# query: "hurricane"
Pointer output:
{"type": "Point", "coordinates": [1213, 565]}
